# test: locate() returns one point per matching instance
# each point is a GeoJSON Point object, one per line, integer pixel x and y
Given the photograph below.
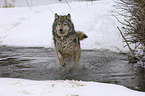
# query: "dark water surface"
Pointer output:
{"type": "Point", "coordinates": [95, 65]}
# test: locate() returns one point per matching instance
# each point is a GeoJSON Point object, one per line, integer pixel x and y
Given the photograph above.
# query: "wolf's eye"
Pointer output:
{"type": "Point", "coordinates": [58, 23]}
{"type": "Point", "coordinates": [64, 24]}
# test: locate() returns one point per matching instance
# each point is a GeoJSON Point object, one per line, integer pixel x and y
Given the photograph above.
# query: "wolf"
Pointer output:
{"type": "Point", "coordinates": [66, 39]}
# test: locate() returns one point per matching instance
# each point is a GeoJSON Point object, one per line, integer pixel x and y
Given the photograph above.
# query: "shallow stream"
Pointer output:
{"type": "Point", "coordinates": [37, 63]}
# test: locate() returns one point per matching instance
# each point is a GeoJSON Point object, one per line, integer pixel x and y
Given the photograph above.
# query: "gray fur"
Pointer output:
{"type": "Point", "coordinates": [66, 40]}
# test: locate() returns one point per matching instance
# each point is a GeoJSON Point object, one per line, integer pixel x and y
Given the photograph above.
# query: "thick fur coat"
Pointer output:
{"type": "Point", "coordinates": [66, 40]}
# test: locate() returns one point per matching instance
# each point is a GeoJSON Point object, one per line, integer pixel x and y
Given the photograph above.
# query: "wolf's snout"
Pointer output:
{"type": "Point", "coordinates": [60, 30]}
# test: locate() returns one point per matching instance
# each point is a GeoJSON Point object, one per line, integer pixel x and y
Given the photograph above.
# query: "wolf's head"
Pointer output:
{"type": "Point", "coordinates": [62, 25]}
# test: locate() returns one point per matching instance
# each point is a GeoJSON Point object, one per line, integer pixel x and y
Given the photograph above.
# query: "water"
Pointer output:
{"type": "Point", "coordinates": [37, 63]}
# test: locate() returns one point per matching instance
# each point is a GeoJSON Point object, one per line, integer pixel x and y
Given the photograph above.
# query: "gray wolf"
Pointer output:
{"type": "Point", "coordinates": [66, 40]}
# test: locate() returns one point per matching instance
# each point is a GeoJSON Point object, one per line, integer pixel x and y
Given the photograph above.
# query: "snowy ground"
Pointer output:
{"type": "Point", "coordinates": [24, 26]}
{"type": "Point", "coordinates": [19, 87]}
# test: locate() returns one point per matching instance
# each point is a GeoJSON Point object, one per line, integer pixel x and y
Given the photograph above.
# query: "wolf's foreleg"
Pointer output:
{"type": "Point", "coordinates": [61, 59]}
{"type": "Point", "coordinates": [77, 53]}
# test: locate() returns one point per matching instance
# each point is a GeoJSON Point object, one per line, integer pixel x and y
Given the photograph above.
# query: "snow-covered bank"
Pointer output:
{"type": "Point", "coordinates": [26, 27]}
{"type": "Point", "coordinates": [20, 87]}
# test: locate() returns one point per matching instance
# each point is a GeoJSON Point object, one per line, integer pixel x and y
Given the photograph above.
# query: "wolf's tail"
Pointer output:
{"type": "Point", "coordinates": [81, 35]}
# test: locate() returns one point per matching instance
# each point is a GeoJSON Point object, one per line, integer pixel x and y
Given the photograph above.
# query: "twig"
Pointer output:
{"type": "Point", "coordinates": [51, 10]}
{"type": "Point", "coordinates": [68, 4]}
{"type": "Point", "coordinates": [28, 4]}
{"type": "Point", "coordinates": [121, 22]}
{"type": "Point", "coordinates": [126, 42]}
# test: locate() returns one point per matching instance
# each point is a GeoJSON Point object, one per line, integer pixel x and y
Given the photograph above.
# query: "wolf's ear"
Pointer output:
{"type": "Point", "coordinates": [56, 16]}
{"type": "Point", "coordinates": [68, 17]}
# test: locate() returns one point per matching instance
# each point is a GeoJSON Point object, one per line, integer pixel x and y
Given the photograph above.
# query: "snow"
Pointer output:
{"type": "Point", "coordinates": [21, 87]}
{"type": "Point", "coordinates": [32, 27]}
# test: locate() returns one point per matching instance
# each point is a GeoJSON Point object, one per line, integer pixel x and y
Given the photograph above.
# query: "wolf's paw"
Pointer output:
{"type": "Point", "coordinates": [63, 65]}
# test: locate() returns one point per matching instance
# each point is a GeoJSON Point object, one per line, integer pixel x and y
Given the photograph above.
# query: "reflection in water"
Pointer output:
{"type": "Point", "coordinates": [140, 73]}
{"type": "Point", "coordinates": [95, 65]}
{"type": "Point", "coordinates": [9, 66]}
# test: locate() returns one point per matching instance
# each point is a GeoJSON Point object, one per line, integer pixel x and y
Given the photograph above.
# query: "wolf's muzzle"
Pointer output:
{"type": "Point", "coordinates": [61, 31]}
